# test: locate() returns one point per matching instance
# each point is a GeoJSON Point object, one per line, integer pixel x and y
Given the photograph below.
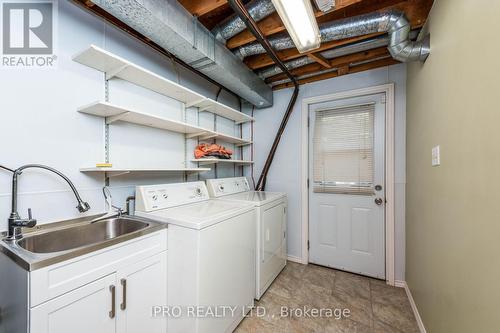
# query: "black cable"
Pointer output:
{"type": "Point", "coordinates": [242, 12]}
{"type": "Point", "coordinates": [5, 168]}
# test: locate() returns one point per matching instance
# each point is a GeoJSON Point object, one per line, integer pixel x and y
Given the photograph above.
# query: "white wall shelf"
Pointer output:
{"type": "Point", "coordinates": [209, 105]}
{"type": "Point", "coordinates": [113, 172]}
{"type": "Point", "coordinates": [226, 138]}
{"type": "Point", "coordinates": [114, 66]}
{"type": "Point", "coordinates": [114, 113]}
{"type": "Point", "coordinates": [207, 161]}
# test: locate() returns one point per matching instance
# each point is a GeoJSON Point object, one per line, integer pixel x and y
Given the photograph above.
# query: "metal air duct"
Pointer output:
{"type": "Point", "coordinates": [365, 45]}
{"type": "Point", "coordinates": [258, 9]}
{"type": "Point", "coordinates": [393, 22]}
{"type": "Point", "coordinates": [330, 54]}
{"type": "Point", "coordinates": [173, 28]}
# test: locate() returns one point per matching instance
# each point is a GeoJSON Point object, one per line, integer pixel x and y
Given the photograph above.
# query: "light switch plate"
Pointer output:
{"type": "Point", "coordinates": [436, 156]}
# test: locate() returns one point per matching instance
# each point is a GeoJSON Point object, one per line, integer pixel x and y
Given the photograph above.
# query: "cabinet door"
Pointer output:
{"type": "Point", "coordinates": [83, 310]}
{"type": "Point", "coordinates": [142, 286]}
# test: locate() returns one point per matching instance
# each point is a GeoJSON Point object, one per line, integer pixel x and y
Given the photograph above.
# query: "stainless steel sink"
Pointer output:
{"type": "Point", "coordinates": [75, 237]}
{"type": "Point", "coordinates": [55, 242]}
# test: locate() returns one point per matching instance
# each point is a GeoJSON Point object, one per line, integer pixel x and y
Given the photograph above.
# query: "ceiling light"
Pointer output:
{"type": "Point", "coordinates": [298, 17]}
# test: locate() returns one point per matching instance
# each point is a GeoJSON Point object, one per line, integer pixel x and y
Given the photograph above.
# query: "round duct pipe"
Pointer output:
{"type": "Point", "coordinates": [394, 22]}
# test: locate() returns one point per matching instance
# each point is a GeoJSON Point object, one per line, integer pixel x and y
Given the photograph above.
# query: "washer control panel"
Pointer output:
{"type": "Point", "coordinates": [154, 197]}
{"type": "Point", "coordinates": [225, 186]}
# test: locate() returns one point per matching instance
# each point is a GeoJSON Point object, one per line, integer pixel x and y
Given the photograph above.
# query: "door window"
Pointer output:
{"type": "Point", "coordinates": [343, 150]}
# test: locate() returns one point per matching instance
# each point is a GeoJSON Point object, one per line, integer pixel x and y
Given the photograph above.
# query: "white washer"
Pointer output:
{"type": "Point", "coordinates": [270, 220]}
{"type": "Point", "coordinates": [211, 255]}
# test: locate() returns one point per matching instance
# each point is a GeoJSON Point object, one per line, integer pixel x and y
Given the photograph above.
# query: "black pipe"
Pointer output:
{"type": "Point", "coordinates": [5, 168]}
{"type": "Point", "coordinates": [242, 12]}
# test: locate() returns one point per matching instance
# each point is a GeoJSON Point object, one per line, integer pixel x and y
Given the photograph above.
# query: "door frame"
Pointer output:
{"type": "Point", "coordinates": [388, 90]}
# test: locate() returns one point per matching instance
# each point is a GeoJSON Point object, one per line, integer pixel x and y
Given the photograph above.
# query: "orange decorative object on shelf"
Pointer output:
{"type": "Point", "coordinates": [212, 150]}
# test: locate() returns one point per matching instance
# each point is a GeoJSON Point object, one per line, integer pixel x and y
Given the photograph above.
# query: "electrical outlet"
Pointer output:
{"type": "Point", "coordinates": [436, 156]}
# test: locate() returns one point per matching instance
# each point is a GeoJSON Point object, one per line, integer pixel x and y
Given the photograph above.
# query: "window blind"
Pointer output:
{"type": "Point", "coordinates": [343, 150]}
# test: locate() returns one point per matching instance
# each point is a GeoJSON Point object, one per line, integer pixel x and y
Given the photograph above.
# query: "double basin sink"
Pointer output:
{"type": "Point", "coordinates": [60, 241]}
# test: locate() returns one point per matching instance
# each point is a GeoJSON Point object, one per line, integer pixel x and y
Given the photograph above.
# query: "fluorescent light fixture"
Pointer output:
{"type": "Point", "coordinates": [298, 17]}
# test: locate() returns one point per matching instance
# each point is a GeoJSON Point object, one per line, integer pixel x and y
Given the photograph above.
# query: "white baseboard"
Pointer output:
{"type": "Point", "coordinates": [399, 284]}
{"type": "Point", "coordinates": [420, 323]}
{"type": "Point", "coordinates": [295, 259]}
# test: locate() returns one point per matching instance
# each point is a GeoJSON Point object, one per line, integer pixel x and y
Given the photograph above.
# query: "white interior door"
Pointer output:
{"type": "Point", "coordinates": [346, 184]}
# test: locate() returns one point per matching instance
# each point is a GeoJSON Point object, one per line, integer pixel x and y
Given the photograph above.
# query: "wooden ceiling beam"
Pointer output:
{"type": "Point", "coordinates": [263, 60]}
{"type": "Point", "coordinates": [273, 24]}
{"type": "Point", "coordinates": [316, 57]}
{"type": "Point", "coordinates": [343, 70]}
{"type": "Point", "coordinates": [335, 62]}
{"type": "Point", "coordinates": [416, 11]}
{"type": "Point", "coordinates": [353, 69]}
{"type": "Point", "coordinates": [202, 7]}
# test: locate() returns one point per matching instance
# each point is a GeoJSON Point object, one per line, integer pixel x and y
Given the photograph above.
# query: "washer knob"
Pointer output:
{"type": "Point", "coordinates": [221, 188]}
{"type": "Point", "coordinates": [197, 191]}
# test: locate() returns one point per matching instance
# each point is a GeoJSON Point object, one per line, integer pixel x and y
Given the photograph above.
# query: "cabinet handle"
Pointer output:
{"type": "Point", "coordinates": [123, 306]}
{"type": "Point", "coordinates": [113, 305]}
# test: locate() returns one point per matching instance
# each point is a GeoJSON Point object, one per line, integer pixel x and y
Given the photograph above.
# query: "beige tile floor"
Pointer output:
{"type": "Point", "coordinates": [374, 306]}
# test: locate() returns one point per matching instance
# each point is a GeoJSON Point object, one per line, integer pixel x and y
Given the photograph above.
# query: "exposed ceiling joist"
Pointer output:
{"type": "Point", "coordinates": [334, 63]}
{"type": "Point", "coordinates": [416, 11]}
{"type": "Point", "coordinates": [212, 12]}
{"type": "Point", "coordinates": [319, 59]}
{"type": "Point", "coordinates": [273, 24]}
{"type": "Point", "coordinates": [263, 60]}
{"type": "Point", "coordinates": [352, 69]}
{"type": "Point", "coordinates": [202, 7]}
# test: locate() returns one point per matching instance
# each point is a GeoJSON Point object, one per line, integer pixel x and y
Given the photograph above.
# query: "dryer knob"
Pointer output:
{"type": "Point", "coordinates": [197, 191]}
{"type": "Point", "coordinates": [221, 188]}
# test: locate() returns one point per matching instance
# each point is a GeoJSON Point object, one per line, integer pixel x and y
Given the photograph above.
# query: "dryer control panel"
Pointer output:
{"type": "Point", "coordinates": [225, 186]}
{"type": "Point", "coordinates": [154, 197]}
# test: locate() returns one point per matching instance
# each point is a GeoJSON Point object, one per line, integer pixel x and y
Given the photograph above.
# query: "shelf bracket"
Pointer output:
{"type": "Point", "coordinates": [243, 144]}
{"type": "Point", "coordinates": [112, 119]}
{"type": "Point", "coordinates": [190, 104]}
{"type": "Point", "coordinates": [205, 108]}
{"type": "Point", "coordinates": [109, 174]}
{"type": "Point", "coordinates": [111, 74]}
{"type": "Point", "coordinates": [195, 135]}
{"type": "Point", "coordinates": [209, 136]}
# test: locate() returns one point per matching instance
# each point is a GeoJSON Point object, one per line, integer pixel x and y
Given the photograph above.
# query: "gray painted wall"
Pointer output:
{"type": "Point", "coordinates": [286, 169]}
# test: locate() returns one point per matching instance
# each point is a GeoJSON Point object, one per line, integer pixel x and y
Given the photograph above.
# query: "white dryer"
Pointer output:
{"type": "Point", "coordinates": [270, 221]}
{"type": "Point", "coordinates": [211, 257]}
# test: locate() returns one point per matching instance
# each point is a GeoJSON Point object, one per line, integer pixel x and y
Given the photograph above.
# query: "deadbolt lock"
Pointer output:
{"type": "Point", "coordinates": [378, 187]}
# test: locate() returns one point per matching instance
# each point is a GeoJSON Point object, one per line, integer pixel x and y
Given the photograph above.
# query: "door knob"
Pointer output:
{"type": "Point", "coordinates": [379, 201]}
